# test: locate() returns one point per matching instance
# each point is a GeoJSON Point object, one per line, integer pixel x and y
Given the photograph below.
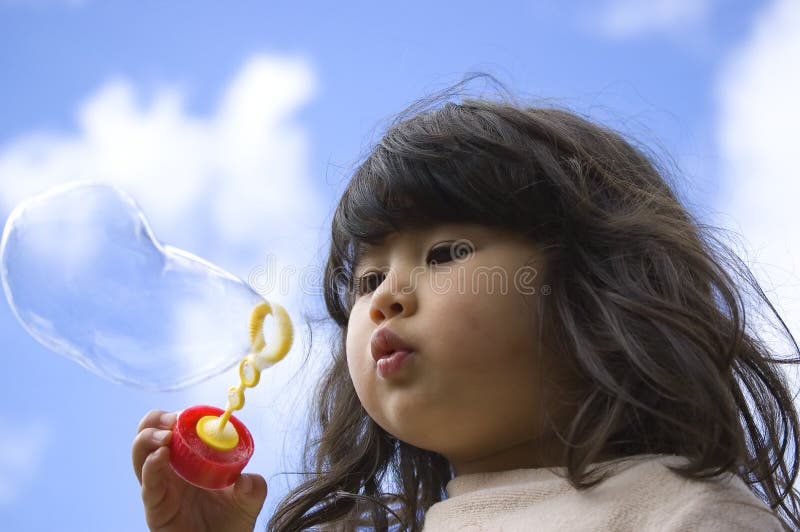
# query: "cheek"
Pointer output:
{"type": "Point", "coordinates": [357, 347]}
{"type": "Point", "coordinates": [479, 332]}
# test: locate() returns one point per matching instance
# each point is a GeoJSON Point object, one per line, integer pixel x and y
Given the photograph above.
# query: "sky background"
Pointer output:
{"type": "Point", "coordinates": [234, 127]}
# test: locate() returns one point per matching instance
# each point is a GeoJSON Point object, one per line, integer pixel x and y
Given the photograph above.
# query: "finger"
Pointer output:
{"type": "Point", "coordinates": [249, 492]}
{"type": "Point", "coordinates": [146, 442]}
{"type": "Point", "coordinates": [158, 419]}
{"type": "Point", "coordinates": [154, 475]}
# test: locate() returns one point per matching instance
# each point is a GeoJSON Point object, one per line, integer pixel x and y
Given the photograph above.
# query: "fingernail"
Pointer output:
{"type": "Point", "coordinates": [245, 484]}
{"type": "Point", "coordinates": [168, 418]}
{"type": "Point", "coordinates": [161, 435]}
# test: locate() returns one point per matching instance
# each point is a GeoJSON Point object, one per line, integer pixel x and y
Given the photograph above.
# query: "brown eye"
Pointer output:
{"type": "Point", "coordinates": [369, 282]}
{"type": "Point", "coordinates": [454, 251]}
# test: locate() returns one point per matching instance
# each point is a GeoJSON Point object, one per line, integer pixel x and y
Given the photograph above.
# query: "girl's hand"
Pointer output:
{"type": "Point", "coordinates": [173, 505]}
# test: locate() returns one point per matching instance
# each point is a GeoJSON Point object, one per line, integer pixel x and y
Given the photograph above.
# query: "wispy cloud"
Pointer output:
{"type": "Point", "coordinates": [757, 133]}
{"type": "Point", "coordinates": [22, 450]}
{"type": "Point", "coordinates": [631, 18]}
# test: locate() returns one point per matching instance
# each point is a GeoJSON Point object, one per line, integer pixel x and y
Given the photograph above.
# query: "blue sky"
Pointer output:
{"type": "Point", "coordinates": [233, 127]}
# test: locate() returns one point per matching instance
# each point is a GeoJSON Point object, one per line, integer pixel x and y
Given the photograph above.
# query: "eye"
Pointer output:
{"type": "Point", "coordinates": [458, 250]}
{"type": "Point", "coordinates": [368, 282]}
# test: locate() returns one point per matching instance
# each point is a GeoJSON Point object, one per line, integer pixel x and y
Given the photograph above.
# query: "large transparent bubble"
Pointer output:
{"type": "Point", "coordinates": [86, 277]}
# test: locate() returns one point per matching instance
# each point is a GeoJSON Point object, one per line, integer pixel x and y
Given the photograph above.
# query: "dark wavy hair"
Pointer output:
{"type": "Point", "coordinates": [647, 304]}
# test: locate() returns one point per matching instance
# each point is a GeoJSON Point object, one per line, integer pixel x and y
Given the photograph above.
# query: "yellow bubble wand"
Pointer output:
{"type": "Point", "coordinates": [215, 431]}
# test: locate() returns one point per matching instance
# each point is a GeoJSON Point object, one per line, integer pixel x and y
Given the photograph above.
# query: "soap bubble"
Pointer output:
{"type": "Point", "coordinates": [86, 277]}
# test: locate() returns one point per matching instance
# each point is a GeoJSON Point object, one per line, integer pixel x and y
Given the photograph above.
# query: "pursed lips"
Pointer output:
{"type": "Point", "coordinates": [384, 342]}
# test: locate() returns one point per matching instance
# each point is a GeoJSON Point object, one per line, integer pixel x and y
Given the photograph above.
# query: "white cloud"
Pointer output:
{"type": "Point", "coordinates": [757, 130]}
{"type": "Point", "coordinates": [22, 450]}
{"type": "Point", "coordinates": [630, 18]}
{"type": "Point", "coordinates": [236, 180]}
{"type": "Point", "coordinates": [261, 151]}
{"type": "Point", "coordinates": [231, 187]}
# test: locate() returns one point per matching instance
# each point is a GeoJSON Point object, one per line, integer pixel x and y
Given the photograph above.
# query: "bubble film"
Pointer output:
{"type": "Point", "coordinates": [87, 278]}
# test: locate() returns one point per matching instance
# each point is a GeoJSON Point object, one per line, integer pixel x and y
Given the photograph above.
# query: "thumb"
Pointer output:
{"type": "Point", "coordinates": [250, 492]}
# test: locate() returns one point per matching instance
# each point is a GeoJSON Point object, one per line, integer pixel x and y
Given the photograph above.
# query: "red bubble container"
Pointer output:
{"type": "Point", "coordinates": [201, 465]}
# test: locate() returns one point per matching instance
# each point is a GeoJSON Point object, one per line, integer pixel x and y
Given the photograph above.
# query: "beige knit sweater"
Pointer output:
{"type": "Point", "coordinates": [641, 495]}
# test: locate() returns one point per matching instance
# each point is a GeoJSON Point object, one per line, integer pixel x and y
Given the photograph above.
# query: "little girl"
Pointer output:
{"type": "Point", "coordinates": [534, 334]}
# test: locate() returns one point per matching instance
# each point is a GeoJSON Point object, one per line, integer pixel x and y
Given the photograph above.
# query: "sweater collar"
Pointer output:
{"type": "Point", "coordinates": [471, 482]}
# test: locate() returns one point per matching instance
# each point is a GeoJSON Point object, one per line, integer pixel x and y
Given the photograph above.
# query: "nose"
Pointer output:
{"type": "Point", "coordinates": [392, 299]}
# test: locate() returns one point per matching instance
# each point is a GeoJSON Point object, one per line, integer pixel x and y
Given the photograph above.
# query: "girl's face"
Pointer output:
{"type": "Point", "coordinates": [463, 298]}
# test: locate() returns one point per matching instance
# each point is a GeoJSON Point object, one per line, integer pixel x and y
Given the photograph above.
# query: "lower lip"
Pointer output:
{"type": "Point", "coordinates": [389, 366]}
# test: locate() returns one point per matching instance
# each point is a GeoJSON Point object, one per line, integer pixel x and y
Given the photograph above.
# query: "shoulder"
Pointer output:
{"type": "Point", "coordinates": [670, 502]}
{"type": "Point", "coordinates": [637, 493]}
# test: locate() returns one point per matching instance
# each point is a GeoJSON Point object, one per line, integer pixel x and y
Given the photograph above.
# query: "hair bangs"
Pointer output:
{"type": "Point", "coordinates": [404, 185]}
